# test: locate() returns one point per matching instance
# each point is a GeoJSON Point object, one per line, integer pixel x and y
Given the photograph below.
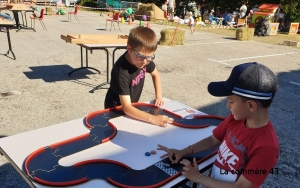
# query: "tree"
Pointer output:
{"type": "Point", "coordinates": [291, 10]}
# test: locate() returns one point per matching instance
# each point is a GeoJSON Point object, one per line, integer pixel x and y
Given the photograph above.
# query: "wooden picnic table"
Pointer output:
{"type": "Point", "coordinates": [96, 42]}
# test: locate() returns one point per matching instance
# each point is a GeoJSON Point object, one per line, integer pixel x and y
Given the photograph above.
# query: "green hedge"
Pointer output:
{"type": "Point", "coordinates": [88, 3]}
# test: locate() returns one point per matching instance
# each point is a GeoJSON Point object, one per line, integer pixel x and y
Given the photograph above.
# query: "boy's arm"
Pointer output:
{"type": "Point", "coordinates": [205, 144]}
{"type": "Point", "coordinates": [176, 155]}
{"type": "Point", "coordinates": [158, 88]}
{"type": "Point", "coordinates": [193, 174]}
{"type": "Point", "coordinates": [242, 182]}
{"type": "Point", "coordinates": [131, 111]}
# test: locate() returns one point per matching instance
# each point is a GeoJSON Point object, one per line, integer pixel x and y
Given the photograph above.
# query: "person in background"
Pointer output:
{"type": "Point", "coordinates": [212, 17]}
{"type": "Point", "coordinates": [191, 22]}
{"type": "Point", "coordinates": [60, 7]}
{"type": "Point", "coordinates": [237, 13]}
{"type": "Point", "coordinates": [36, 11]}
{"type": "Point", "coordinates": [243, 10]}
{"type": "Point", "coordinates": [231, 18]}
{"type": "Point", "coordinates": [128, 11]}
{"type": "Point", "coordinates": [219, 13]}
{"type": "Point", "coordinates": [202, 7]}
{"type": "Point", "coordinates": [249, 17]}
{"type": "Point", "coordinates": [15, 12]}
{"type": "Point", "coordinates": [224, 15]}
{"type": "Point", "coordinates": [171, 9]}
{"type": "Point", "coordinates": [6, 17]}
{"type": "Point", "coordinates": [255, 8]}
{"type": "Point", "coordinates": [164, 7]}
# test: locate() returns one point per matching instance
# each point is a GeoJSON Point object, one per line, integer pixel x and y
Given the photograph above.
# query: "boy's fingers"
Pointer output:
{"type": "Point", "coordinates": [164, 155]}
{"type": "Point", "coordinates": [170, 120]}
{"type": "Point", "coordinates": [195, 162]}
{"type": "Point", "coordinates": [185, 162]}
{"type": "Point", "coordinates": [171, 159]}
{"type": "Point", "coordinates": [177, 160]}
{"type": "Point", "coordinates": [161, 147]}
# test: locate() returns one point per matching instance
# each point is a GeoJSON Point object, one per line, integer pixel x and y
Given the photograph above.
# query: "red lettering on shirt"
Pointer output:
{"type": "Point", "coordinates": [138, 78]}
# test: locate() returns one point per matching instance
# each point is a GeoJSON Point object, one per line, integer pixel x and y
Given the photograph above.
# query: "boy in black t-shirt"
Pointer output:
{"type": "Point", "coordinates": [128, 76]}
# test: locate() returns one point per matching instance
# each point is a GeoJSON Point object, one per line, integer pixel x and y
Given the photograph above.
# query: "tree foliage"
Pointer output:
{"type": "Point", "coordinates": [291, 8]}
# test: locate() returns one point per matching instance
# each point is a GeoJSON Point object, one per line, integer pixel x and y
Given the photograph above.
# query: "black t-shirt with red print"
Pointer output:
{"type": "Point", "coordinates": [126, 79]}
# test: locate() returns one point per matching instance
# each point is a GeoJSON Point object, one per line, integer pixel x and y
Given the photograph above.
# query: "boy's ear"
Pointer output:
{"type": "Point", "coordinates": [252, 105]}
{"type": "Point", "coordinates": [128, 48]}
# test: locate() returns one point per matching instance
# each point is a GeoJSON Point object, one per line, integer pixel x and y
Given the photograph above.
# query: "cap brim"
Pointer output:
{"type": "Point", "coordinates": [218, 89]}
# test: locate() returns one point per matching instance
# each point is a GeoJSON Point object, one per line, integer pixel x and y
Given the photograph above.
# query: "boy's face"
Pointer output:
{"type": "Point", "coordinates": [140, 58]}
{"type": "Point", "coordinates": [238, 107]}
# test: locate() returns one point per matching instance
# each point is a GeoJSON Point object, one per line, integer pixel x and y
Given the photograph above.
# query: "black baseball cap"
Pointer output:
{"type": "Point", "coordinates": [251, 80]}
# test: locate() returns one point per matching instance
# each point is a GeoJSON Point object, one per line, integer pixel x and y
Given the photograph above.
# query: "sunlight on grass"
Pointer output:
{"type": "Point", "coordinates": [231, 32]}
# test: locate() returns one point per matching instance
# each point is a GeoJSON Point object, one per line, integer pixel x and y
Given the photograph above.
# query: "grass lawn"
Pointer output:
{"type": "Point", "coordinates": [274, 39]}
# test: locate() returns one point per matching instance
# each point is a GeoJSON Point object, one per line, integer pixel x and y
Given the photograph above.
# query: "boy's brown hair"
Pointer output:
{"type": "Point", "coordinates": [144, 38]}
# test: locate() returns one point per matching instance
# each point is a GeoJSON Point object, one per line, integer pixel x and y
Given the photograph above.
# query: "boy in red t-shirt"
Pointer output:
{"type": "Point", "coordinates": [248, 145]}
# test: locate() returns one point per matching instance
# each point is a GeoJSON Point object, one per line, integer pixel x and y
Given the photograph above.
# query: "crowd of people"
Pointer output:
{"type": "Point", "coordinates": [230, 17]}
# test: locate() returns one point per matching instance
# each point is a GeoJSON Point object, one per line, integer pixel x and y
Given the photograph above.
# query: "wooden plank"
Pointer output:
{"type": "Point", "coordinates": [18, 7]}
{"type": "Point", "coordinates": [93, 36]}
{"type": "Point", "coordinates": [103, 41]}
{"type": "Point", "coordinates": [6, 22]}
{"type": "Point", "coordinates": [65, 38]}
{"type": "Point", "coordinates": [95, 39]}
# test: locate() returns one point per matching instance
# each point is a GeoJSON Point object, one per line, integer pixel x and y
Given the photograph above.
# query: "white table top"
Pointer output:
{"type": "Point", "coordinates": [134, 138]}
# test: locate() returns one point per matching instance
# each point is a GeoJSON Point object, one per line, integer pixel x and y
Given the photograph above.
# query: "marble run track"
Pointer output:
{"type": "Point", "coordinates": [42, 165]}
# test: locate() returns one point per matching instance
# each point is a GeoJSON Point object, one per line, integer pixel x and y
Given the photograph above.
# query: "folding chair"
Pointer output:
{"type": "Point", "coordinates": [40, 19]}
{"type": "Point", "coordinates": [112, 20]}
{"type": "Point", "coordinates": [74, 13]}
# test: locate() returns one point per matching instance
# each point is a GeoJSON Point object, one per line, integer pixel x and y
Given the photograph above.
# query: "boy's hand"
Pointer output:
{"type": "Point", "coordinates": [161, 120]}
{"type": "Point", "coordinates": [173, 154]}
{"type": "Point", "coordinates": [158, 102]}
{"type": "Point", "coordinates": [190, 171]}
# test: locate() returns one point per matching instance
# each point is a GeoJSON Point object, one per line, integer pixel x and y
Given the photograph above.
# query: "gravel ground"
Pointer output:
{"type": "Point", "coordinates": [36, 91]}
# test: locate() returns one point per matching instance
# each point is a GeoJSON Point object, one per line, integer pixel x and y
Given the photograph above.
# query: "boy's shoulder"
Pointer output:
{"type": "Point", "coordinates": [122, 65]}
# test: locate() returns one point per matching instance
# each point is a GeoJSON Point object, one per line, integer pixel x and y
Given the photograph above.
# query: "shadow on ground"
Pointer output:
{"type": "Point", "coordinates": [56, 73]}
{"type": "Point", "coordinates": [229, 38]}
{"type": "Point", "coordinates": [8, 171]}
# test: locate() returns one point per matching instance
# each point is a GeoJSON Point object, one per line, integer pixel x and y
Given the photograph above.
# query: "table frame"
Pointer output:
{"type": "Point", "coordinates": [8, 26]}
{"type": "Point", "coordinates": [92, 47]}
{"type": "Point", "coordinates": [107, 70]}
{"type": "Point", "coordinates": [23, 175]}
{"type": "Point", "coordinates": [22, 9]}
